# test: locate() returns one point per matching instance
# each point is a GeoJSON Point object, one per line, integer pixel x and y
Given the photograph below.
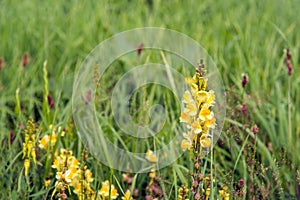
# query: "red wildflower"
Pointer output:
{"type": "Point", "coordinates": [50, 101]}
{"type": "Point", "coordinates": [139, 49]}
{"type": "Point", "coordinates": [1, 63]}
{"type": "Point", "coordinates": [245, 80]}
{"type": "Point", "coordinates": [25, 60]}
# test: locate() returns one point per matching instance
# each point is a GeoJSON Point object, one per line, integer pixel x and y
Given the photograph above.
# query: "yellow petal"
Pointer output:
{"type": "Point", "coordinates": [150, 156]}
{"type": "Point", "coordinates": [26, 166]}
{"type": "Point", "coordinates": [205, 141]}
{"type": "Point", "coordinates": [185, 118]}
{"type": "Point", "coordinates": [185, 144]}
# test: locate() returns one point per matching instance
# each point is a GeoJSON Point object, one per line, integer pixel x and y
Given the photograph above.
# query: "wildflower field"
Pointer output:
{"type": "Point", "coordinates": [238, 116]}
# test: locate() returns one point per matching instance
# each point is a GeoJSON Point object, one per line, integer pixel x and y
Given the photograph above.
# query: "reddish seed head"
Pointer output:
{"type": "Point", "coordinates": [289, 66]}
{"type": "Point", "coordinates": [157, 190]}
{"type": "Point", "coordinates": [288, 63]}
{"type": "Point", "coordinates": [88, 97]}
{"type": "Point", "coordinates": [135, 192]}
{"type": "Point", "coordinates": [25, 60]}
{"type": "Point", "coordinates": [200, 176]}
{"type": "Point", "coordinates": [245, 80]}
{"type": "Point", "coordinates": [1, 63]}
{"type": "Point", "coordinates": [241, 183]}
{"type": "Point", "coordinates": [64, 195]}
{"type": "Point", "coordinates": [197, 196]}
{"type": "Point", "coordinates": [148, 197]}
{"type": "Point", "coordinates": [270, 146]}
{"type": "Point", "coordinates": [50, 101]}
{"type": "Point", "coordinates": [12, 136]}
{"type": "Point", "coordinates": [255, 129]}
{"type": "Point", "coordinates": [139, 49]}
{"type": "Point", "coordinates": [195, 183]}
{"type": "Point", "coordinates": [244, 109]}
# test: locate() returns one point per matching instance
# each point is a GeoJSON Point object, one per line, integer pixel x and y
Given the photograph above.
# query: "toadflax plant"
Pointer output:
{"type": "Point", "coordinates": [199, 119]}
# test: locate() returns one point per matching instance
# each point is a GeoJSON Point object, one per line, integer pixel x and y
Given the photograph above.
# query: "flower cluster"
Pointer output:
{"type": "Point", "coordinates": [73, 174]}
{"type": "Point", "coordinates": [127, 196]}
{"type": "Point", "coordinates": [129, 180]}
{"type": "Point", "coordinates": [151, 156]}
{"type": "Point", "coordinates": [288, 62]}
{"type": "Point", "coordinates": [81, 183]}
{"type": "Point", "coordinates": [199, 119]}
{"type": "Point", "coordinates": [108, 190]}
{"type": "Point", "coordinates": [48, 141]}
{"type": "Point", "coordinates": [67, 169]}
{"type": "Point", "coordinates": [197, 113]}
{"type": "Point", "coordinates": [154, 190]}
{"type": "Point", "coordinates": [28, 145]}
{"type": "Point", "coordinates": [224, 195]}
{"type": "Point", "coordinates": [183, 193]}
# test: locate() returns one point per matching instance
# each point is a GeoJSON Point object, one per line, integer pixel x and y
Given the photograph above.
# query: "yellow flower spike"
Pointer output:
{"type": "Point", "coordinates": [127, 196]}
{"type": "Point", "coordinates": [26, 166]}
{"type": "Point", "coordinates": [151, 157]}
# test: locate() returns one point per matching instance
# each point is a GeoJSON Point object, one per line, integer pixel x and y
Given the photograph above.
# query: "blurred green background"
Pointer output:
{"type": "Point", "coordinates": [241, 37]}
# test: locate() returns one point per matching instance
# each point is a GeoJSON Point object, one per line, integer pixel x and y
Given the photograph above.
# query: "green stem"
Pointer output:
{"type": "Point", "coordinates": [211, 170]}
{"type": "Point", "coordinates": [289, 111]}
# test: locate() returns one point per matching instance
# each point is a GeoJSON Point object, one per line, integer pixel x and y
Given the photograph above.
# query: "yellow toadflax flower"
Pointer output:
{"type": "Point", "coordinates": [151, 157]}
{"type": "Point", "coordinates": [47, 183]}
{"type": "Point", "coordinates": [104, 191]}
{"type": "Point", "coordinates": [67, 166]}
{"type": "Point", "coordinates": [26, 166]}
{"type": "Point", "coordinates": [127, 196]}
{"type": "Point", "coordinates": [29, 145]}
{"type": "Point", "coordinates": [81, 183]}
{"type": "Point", "coordinates": [50, 139]}
{"type": "Point", "coordinates": [197, 113]}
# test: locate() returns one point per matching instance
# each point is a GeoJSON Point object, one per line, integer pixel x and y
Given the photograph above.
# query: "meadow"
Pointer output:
{"type": "Point", "coordinates": [255, 46]}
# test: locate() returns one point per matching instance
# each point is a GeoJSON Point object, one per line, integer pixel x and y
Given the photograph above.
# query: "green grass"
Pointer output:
{"type": "Point", "coordinates": [241, 37]}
